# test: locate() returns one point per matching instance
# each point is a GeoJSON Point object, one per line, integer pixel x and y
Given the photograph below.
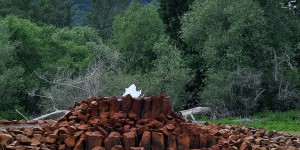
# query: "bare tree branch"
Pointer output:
{"type": "Point", "coordinates": [258, 95]}
{"type": "Point", "coordinates": [50, 114]}
{"type": "Point", "coordinates": [289, 60]}
{"type": "Point", "coordinates": [66, 88]}
{"type": "Point", "coordinates": [21, 114]}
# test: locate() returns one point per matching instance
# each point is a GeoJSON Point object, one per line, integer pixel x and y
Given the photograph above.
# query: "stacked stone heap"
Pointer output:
{"type": "Point", "coordinates": [143, 123]}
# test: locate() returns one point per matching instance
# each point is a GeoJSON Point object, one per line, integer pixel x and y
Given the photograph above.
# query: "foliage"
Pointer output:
{"type": "Point", "coordinates": [227, 37]}
{"type": "Point", "coordinates": [6, 46]}
{"type": "Point", "coordinates": [29, 49]}
{"type": "Point", "coordinates": [171, 12]}
{"type": "Point", "coordinates": [102, 13]}
{"type": "Point", "coordinates": [284, 51]}
{"type": "Point", "coordinates": [135, 33]}
{"type": "Point", "coordinates": [233, 34]}
{"type": "Point", "coordinates": [67, 88]}
{"type": "Point", "coordinates": [170, 72]}
{"type": "Point", "coordinates": [55, 12]}
{"type": "Point", "coordinates": [69, 47]}
{"type": "Point", "coordinates": [11, 82]}
{"type": "Point", "coordinates": [238, 92]}
{"type": "Point", "coordinates": [15, 7]}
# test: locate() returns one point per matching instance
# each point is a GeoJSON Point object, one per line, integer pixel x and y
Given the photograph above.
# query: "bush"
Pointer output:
{"type": "Point", "coordinates": [233, 93]}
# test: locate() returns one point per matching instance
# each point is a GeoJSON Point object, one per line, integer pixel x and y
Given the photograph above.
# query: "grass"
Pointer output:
{"type": "Point", "coordinates": [288, 121]}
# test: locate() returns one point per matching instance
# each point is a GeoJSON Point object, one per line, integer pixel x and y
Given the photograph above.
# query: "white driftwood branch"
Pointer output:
{"type": "Point", "coordinates": [50, 114]}
{"type": "Point", "coordinates": [195, 110]}
{"type": "Point", "coordinates": [21, 114]}
{"type": "Point", "coordinates": [257, 96]}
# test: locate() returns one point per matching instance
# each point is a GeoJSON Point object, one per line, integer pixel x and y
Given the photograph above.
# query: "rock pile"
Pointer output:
{"type": "Point", "coordinates": [144, 123]}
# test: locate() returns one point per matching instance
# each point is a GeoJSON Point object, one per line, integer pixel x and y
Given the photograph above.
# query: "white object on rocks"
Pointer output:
{"type": "Point", "coordinates": [195, 110]}
{"type": "Point", "coordinates": [132, 91]}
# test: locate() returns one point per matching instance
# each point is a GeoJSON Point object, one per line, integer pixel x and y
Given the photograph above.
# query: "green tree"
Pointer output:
{"type": "Point", "coordinates": [135, 33]}
{"type": "Point", "coordinates": [284, 39]}
{"type": "Point", "coordinates": [68, 47]}
{"type": "Point", "coordinates": [11, 81]}
{"type": "Point", "coordinates": [170, 73]}
{"type": "Point", "coordinates": [55, 12]}
{"type": "Point", "coordinates": [102, 13]}
{"type": "Point", "coordinates": [171, 12]}
{"type": "Point", "coordinates": [243, 34]}
{"type": "Point", "coordinates": [15, 7]}
{"type": "Point", "coordinates": [30, 52]}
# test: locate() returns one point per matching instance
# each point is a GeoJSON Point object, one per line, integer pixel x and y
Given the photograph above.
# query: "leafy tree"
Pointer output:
{"type": "Point", "coordinates": [233, 40]}
{"type": "Point", "coordinates": [66, 88]}
{"type": "Point", "coordinates": [11, 81]}
{"type": "Point", "coordinates": [135, 33]}
{"type": "Point", "coordinates": [7, 47]}
{"type": "Point", "coordinates": [68, 47]}
{"type": "Point", "coordinates": [15, 7]}
{"type": "Point", "coordinates": [242, 34]}
{"type": "Point", "coordinates": [30, 50]}
{"type": "Point", "coordinates": [171, 12]}
{"type": "Point", "coordinates": [283, 27]}
{"type": "Point", "coordinates": [55, 12]}
{"type": "Point", "coordinates": [225, 39]}
{"type": "Point", "coordinates": [170, 73]}
{"type": "Point", "coordinates": [102, 13]}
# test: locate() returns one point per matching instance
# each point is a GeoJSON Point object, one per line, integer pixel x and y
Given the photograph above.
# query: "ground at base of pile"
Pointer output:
{"type": "Point", "coordinates": [126, 123]}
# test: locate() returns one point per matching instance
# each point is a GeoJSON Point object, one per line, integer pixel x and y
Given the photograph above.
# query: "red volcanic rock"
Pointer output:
{"type": "Point", "coordinates": [129, 139]}
{"type": "Point", "coordinates": [79, 144]}
{"type": "Point", "coordinates": [118, 147]}
{"type": "Point", "coordinates": [114, 106]}
{"type": "Point", "coordinates": [5, 138]}
{"type": "Point", "coordinates": [137, 106]}
{"type": "Point", "coordinates": [103, 106]}
{"type": "Point", "coordinates": [158, 141]}
{"type": "Point", "coordinates": [146, 140]}
{"type": "Point", "coordinates": [156, 106]}
{"type": "Point", "coordinates": [93, 139]}
{"type": "Point", "coordinates": [112, 140]}
{"type": "Point", "coordinates": [183, 141]}
{"type": "Point", "coordinates": [70, 141]}
{"type": "Point", "coordinates": [146, 111]}
{"type": "Point", "coordinates": [83, 106]}
{"type": "Point", "coordinates": [35, 142]}
{"type": "Point", "coordinates": [127, 103]}
{"type": "Point", "coordinates": [94, 108]}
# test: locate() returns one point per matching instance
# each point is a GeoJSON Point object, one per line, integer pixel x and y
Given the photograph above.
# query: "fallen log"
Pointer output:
{"type": "Point", "coordinates": [193, 111]}
{"type": "Point", "coordinates": [51, 114]}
